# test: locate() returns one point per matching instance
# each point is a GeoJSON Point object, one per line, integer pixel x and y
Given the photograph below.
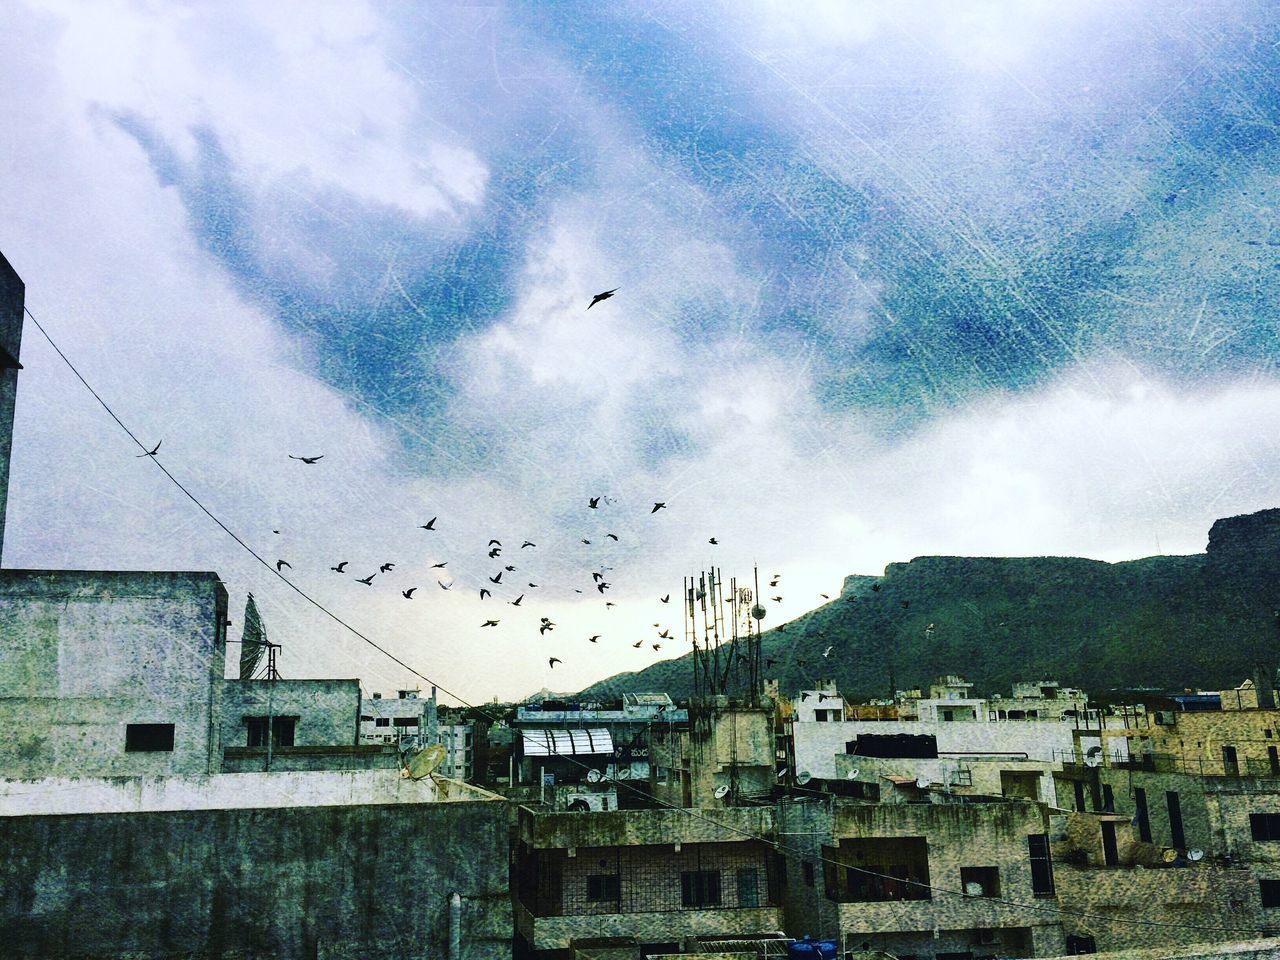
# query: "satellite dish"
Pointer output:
{"type": "Point", "coordinates": [1169, 855]}
{"type": "Point", "coordinates": [852, 774]}
{"type": "Point", "coordinates": [722, 791]}
{"type": "Point", "coordinates": [922, 782]}
{"type": "Point", "coordinates": [782, 773]}
{"type": "Point", "coordinates": [593, 776]}
{"type": "Point", "coordinates": [579, 806]}
{"type": "Point", "coordinates": [1093, 760]}
{"type": "Point", "coordinates": [1195, 855]}
{"type": "Point", "coordinates": [803, 777]}
{"type": "Point", "coordinates": [758, 612]}
{"type": "Point", "coordinates": [973, 889]}
{"type": "Point", "coordinates": [623, 774]}
{"type": "Point", "coordinates": [424, 762]}
{"type": "Point", "coordinates": [1093, 751]}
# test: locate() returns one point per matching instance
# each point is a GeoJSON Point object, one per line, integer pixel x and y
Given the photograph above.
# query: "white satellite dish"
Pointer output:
{"type": "Point", "coordinates": [803, 777]}
{"type": "Point", "coordinates": [782, 773]}
{"type": "Point", "coordinates": [1093, 760]}
{"type": "Point", "coordinates": [424, 762]}
{"type": "Point", "coordinates": [623, 774]}
{"type": "Point", "coordinates": [922, 782]}
{"type": "Point", "coordinates": [973, 889]}
{"type": "Point", "coordinates": [1195, 855]}
{"type": "Point", "coordinates": [852, 774]}
{"type": "Point", "coordinates": [722, 791]}
{"type": "Point", "coordinates": [593, 776]}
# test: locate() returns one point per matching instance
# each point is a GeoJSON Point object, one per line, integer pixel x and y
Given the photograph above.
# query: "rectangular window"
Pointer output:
{"type": "Point", "coordinates": [382, 722]}
{"type": "Point", "coordinates": [980, 881]}
{"type": "Point", "coordinates": [364, 719]}
{"type": "Point", "coordinates": [808, 872]}
{"type": "Point", "coordinates": [1144, 822]}
{"type": "Point", "coordinates": [148, 738]}
{"type": "Point", "coordinates": [748, 887]}
{"type": "Point", "coordinates": [406, 721]}
{"type": "Point", "coordinates": [1264, 826]}
{"type": "Point", "coordinates": [1270, 890]}
{"type": "Point", "coordinates": [700, 888]}
{"type": "Point", "coordinates": [1175, 819]}
{"type": "Point", "coordinates": [1108, 799]}
{"type": "Point", "coordinates": [1079, 785]}
{"type": "Point", "coordinates": [257, 731]}
{"type": "Point", "coordinates": [283, 728]}
{"type": "Point", "coordinates": [1110, 853]}
{"type": "Point", "coordinates": [603, 888]}
{"type": "Point", "coordinates": [1041, 864]}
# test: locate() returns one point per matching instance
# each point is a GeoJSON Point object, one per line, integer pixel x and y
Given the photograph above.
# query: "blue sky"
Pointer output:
{"type": "Point", "coordinates": [980, 278]}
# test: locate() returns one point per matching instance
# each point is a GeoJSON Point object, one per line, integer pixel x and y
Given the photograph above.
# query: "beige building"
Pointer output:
{"type": "Point", "coordinates": [728, 752]}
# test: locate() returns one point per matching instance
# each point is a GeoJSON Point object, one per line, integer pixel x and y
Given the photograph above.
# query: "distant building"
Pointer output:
{"type": "Point", "coordinates": [822, 704]}
{"type": "Point", "coordinates": [413, 721]}
{"type": "Point", "coordinates": [727, 753]}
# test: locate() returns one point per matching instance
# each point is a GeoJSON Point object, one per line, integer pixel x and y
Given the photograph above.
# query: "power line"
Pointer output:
{"type": "Point", "coordinates": [688, 811]}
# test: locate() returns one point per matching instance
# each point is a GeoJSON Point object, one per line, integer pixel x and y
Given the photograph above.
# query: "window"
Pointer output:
{"type": "Point", "coordinates": [748, 887]}
{"type": "Point", "coordinates": [406, 721]}
{"type": "Point", "coordinates": [364, 719]}
{"type": "Point", "coordinates": [1270, 891]}
{"type": "Point", "coordinates": [1041, 864]}
{"type": "Point", "coordinates": [282, 727]}
{"type": "Point", "coordinates": [382, 722]}
{"type": "Point", "coordinates": [1079, 785]}
{"type": "Point", "coordinates": [1110, 852]}
{"type": "Point", "coordinates": [808, 873]}
{"type": "Point", "coordinates": [148, 738]}
{"type": "Point", "coordinates": [980, 881]}
{"type": "Point", "coordinates": [1144, 823]}
{"type": "Point", "coordinates": [1265, 826]}
{"type": "Point", "coordinates": [257, 727]}
{"type": "Point", "coordinates": [1175, 820]}
{"type": "Point", "coordinates": [1108, 799]}
{"type": "Point", "coordinates": [603, 888]}
{"type": "Point", "coordinates": [700, 888]}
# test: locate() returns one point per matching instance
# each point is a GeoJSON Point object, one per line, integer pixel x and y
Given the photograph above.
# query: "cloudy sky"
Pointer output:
{"type": "Point", "coordinates": [893, 279]}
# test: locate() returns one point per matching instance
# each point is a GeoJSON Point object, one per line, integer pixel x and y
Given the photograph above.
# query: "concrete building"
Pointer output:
{"type": "Point", "coordinates": [968, 776]}
{"type": "Point", "coordinates": [412, 720]}
{"type": "Point", "coordinates": [1042, 700]}
{"type": "Point", "coordinates": [822, 704]}
{"type": "Point", "coordinates": [646, 879]}
{"type": "Point", "coordinates": [925, 879]}
{"type": "Point", "coordinates": [728, 753]}
{"type": "Point", "coordinates": [110, 673]}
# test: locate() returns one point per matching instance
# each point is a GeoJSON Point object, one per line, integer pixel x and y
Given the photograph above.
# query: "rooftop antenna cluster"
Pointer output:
{"type": "Point", "coordinates": [723, 628]}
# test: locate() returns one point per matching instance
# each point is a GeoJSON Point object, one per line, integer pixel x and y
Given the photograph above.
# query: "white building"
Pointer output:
{"type": "Point", "coordinates": [413, 720]}
{"type": "Point", "coordinates": [822, 704]}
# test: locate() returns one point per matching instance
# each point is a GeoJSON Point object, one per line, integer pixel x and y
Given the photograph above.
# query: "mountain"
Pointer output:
{"type": "Point", "coordinates": [1208, 620]}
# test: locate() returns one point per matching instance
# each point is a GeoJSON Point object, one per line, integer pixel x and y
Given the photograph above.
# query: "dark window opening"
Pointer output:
{"type": "Point", "coordinates": [1264, 826]}
{"type": "Point", "coordinates": [148, 738]}
{"type": "Point", "coordinates": [808, 872]}
{"type": "Point", "coordinates": [700, 888]}
{"type": "Point", "coordinates": [1041, 864]}
{"type": "Point", "coordinates": [1110, 854]}
{"type": "Point", "coordinates": [382, 722]}
{"type": "Point", "coordinates": [1273, 759]}
{"type": "Point", "coordinates": [604, 888]}
{"type": "Point", "coordinates": [877, 869]}
{"type": "Point", "coordinates": [1270, 892]}
{"type": "Point", "coordinates": [1108, 799]}
{"type": "Point", "coordinates": [980, 881]}
{"type": "Point", "coordinates": [1079, 785]}
{"type": "Point", "coordinates": [1078, 944]}
{"type": "Point", "coordinates": [1144, 822]}
{"type": "Point", "coordinates": [405, 721]}
{"type": "Point", "coordinates": [748, 887]}
{"type": "Point", "coordinates": [282, 731]}
{"type": "Point", "coordinates": [1175, 819]}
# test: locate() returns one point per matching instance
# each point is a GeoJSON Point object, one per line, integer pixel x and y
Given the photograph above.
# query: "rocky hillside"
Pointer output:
{"type": "Point", "coordinates": [1204, 620]}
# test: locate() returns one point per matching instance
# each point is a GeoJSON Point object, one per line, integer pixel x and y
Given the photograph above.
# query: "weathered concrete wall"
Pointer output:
{"type": "Point", "coordinates": [818, 743]}
{"type": "Point", "coordinates": [328, 711]}
{"type": "Point", "coordinates": [1198, 738]}
{"type": "Point", "coordinates": [557, 933]}
{"type": "Point", "coordinates": [371, 756]}
{"type": "Point", "coordinates": [962, 775]}
{"type": "Point", "coordinates": [303, 882]}
{"type": "Point", "coordinates": [12, 293]}
{"type": "Point", "coordinates": [84, 654]}
{"type": "Point", "coordinates": [1191, 804]}
{"type": "Point", "coordinates": [639, 827]}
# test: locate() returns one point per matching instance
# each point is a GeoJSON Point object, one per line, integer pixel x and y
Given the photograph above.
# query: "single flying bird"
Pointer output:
{"type": "Point", "coordinates": [494, 543]}
{"type": "Point", "coordinates": [150, 453]}
{"type": "Point", "coordinates": [495, 553]}
{"type": "Point", "coordinates": [339, 567]}
{"type": "Point", "coordinates": [713, 541]}
{"type": "Point", "coordinates": [516, 601]}
{"type": "Point", "coordinates": [429, 525]}
{"type": "Point", "coordinates": [496, 578]}
{"type": "Point", "coordinates": [527, 543]}
{"type": "Point", "coordinates": [611, 536]}
{"type": "Point", "coordinates": [281, 564]}
{"type": "Point", "coordinates": [593, 503]}
{"type": "Point", "coordinates": [657, 646]}
{"type": "Point", "coordinates": [484, 592]}
{"type": "Point", "coordinates": [442, 585]}
{"type": "Point", "coordinates": [638, 644]}
{"type": "Point", "coordinates": [408, 594]}
{"type": "Point", "coordinates": [552, 661]}
{"type": "Point", "coordinates": [667, 598]}
{"type": "Point", "coordinates": [489, 623]}
{"type": "Point", "coordinates": [593, 639]}
{"type": "Point", "coordinates": [586, 541]}
{"type": "Point", "coordinates": [437, 566]}
{"type": "Point", "coordinates": [385, 567]}
{"type": "Point", "coordinates": [602, 296]}
{"type": "Point", "coordinates": [307, 459]}
{"type": "Point", "coordinates": [367, 581]}
{"type": "Point", "coordinates": [657, 507]}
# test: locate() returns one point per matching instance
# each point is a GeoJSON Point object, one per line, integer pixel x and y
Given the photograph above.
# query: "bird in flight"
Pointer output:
{"type": "Point", "coordinates": [667, 598]}
{"type": "Point", "coordinates": [713, 541]}
{"type": "Point", "coordinates": [494, 543]}
{"type": "Point", "coordinates": [824, 596]}
{"type": "Point", "coordinates": [484, 592]}
{"type": "Point", "coordinates": [527, 543]}
{"type": "Point", "coordinates": [602, 296]}
{"type": "Point", "coordinates": [516, 601]}
{"type": "Point", "coordinates": [827, 652]}
{"type": "Point", "coordinates": [307, 459]}
{"type": "Point", "coordinates": [611, 536]}
{"type": "Point", "coordinates": [594, 639]}
{"type": "Point", "coordinates": [408, 594]}
{"type": "Point", "coordinates": [489, 623]}
{"type": "Point", "coordinates": [586, 541]}
{"type": "Point", "coordinates": [496, 578]}
{"type": "Point", "coordinates": [442, 586]}
{"type": "Point", "coordinates": [150, 453]}
{"type": "Point", "coordinates": [552, 661]}
{"type": "Point", "coordinates": [281, 564]}
{"type": "Point", "coordinates": [609, 604]}
{"type": "Point", "coordinates": [602, 586]}
{"type": "Point", "coordinates": [495, 553]}
{"type": "Point", "coordinates": [367, 581]}
{"type": "Point", "coordinates": [429, 525]}
{"type": "Point", "coordinates": [437, 566]}
{"type": "Point", "coordinates": [509, 569]}
{"type": "Point", "coordinates": [776, 599]}
{"type": "Point", "coordinates": [638, 644]}
{"type": "Point", "coordinates": [339, 568]}
{"type": "Point", "coordinates": [593, 503]}
{"type": "Point", "coordinates": [657, 507]}
{"type": "Point", "coordinates": [657, 646]}
{"type": "Point", "coordinates": [385, 567]}
{"type": "Point", "coordinates": [665, 634]}
{"type": "Point", "coordinates": [533, 586]}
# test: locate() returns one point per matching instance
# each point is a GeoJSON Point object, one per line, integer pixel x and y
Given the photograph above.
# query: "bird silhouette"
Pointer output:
{"type": "Point", "coordinates": [443, 586]}
{"type": "Point", "coordinates": [593, 639]}
{"type": "Point", "coordinates": [665, 634]}
{"type": "Point", "coordinates": [408, 594]}
{"type": "Point", "coordinates": [484, 592]}
{"type": "Point", "coordinates": [367, 581]}
{"type": "Point", "coordinates": [385, 567]}
{"type": "Point", "coordinates": [494, 553]}
{"type": "Point", "coordinates": [150, 453]}
{"type": "Point", "coordinates": [588, 542]}
{"type": "Point", "coordinates": [545, 627]}
{"type": "Point", "coordinates": [509, 569]}
{"type": "Point", "coordinates": [602, 296]}
{"type": "Point", "coordinates": [824, 596]}
{"type": "Point", "coordinates": [667, 598]}
{"type": "Point", "coordinates": [713, 541]}
{"type": "Point", "coordinates": [593, 503]}
{"type": "Point", "coordinates": [489, 623]}
{"type": "Point", "coordinates": [340, 567]}
{"type": "Point", "coordinates": [776, 599]}
{"type": "Point", "coordinates": [494, 543]}
{"type": "Point", "coordinates": [533, 586]}
{"type": "Point", "coordinates": [827, 652]}
{"type": "Point", "coordinates": [516, 601]}
{"type": "Point", "coordinates": [638, 644]}
{"type": "Point", "coordinates": [496, 578]}
{"type": "Point", "coordinates": [602, 586]}
{"type": "Point", "coordinates": [307, 459]}
{"type": "Point", "coordinates": [281, 564]}
{"type": "Point", "coordinates": [527, 543]}
{"type": "Point", "coordinates": [657, 646]}
{"type": "Point", "coordinates": [657, 507]}
{"type": "Point", "coordinates": [429, 525]}
{"type": "Point", "coordinates": [609, 604]}
{"type": "Point", "coordinates": [611, 536]}
{"type": "Point", "coordinates": [552, 661]}
{"type": "Point", "coordinates": [437, 566]}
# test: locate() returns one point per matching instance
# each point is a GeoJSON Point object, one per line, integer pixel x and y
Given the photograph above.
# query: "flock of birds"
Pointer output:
{"type": "Point", "coordinates": [494, 550]}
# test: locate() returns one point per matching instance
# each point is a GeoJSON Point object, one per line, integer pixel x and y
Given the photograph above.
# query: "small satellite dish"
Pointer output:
{"type": "Point", "coordinates": [782, 773]}
{"type": "Point", "coordinates": [424, 762]}
{"type": "Point", "coordinates": [973, 889]}
{"type": "Point", "coordinates": [852, 774]}
{"type": "Point", "coordinates": [758, 612]}
{"type": "Point", "coordinates": [1093, 751]}
{"type": "Point", "coordinates": [803, 777]}
{"type": "Point", "coordinates": [593, 776]}
{"type": "Point", "coordinates": [623, 774]}
{"type": "Point", "coordinates": [1169, 855]}
{"type": "Point", "coordinates": [1093, 760]}
{"type": "Point", "coordinates": [922, 782]}
{"type": "Point", "coordinates": [1195, 855]}
{"type": "Point", "coordinates": [722, 791]}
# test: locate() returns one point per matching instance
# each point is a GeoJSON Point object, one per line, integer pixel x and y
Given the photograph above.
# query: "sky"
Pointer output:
{"type": "Point", "coordinates": [892, 280]}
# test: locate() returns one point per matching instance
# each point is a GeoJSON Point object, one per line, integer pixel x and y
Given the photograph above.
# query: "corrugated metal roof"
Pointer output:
{"type": "Point", "coordinates": [566, 743]}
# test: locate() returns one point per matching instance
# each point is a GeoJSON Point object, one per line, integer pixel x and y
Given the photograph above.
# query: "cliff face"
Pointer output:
{"type": "Point", "coordinates": [1206, 620]}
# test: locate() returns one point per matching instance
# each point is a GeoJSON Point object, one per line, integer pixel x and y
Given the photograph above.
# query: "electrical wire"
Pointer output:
{"type": "Point", "coordinates": [693, 813]}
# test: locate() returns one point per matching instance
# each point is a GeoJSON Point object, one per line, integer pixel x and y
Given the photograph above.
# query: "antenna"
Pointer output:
{"type": "Point", "coordinates": [424, 762]}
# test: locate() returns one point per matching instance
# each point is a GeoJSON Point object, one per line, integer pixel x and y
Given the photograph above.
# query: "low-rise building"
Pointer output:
{"type": "Point", "coordinates": [822, 704]}
{"type": "Point", "coordinates": [728, 753]}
